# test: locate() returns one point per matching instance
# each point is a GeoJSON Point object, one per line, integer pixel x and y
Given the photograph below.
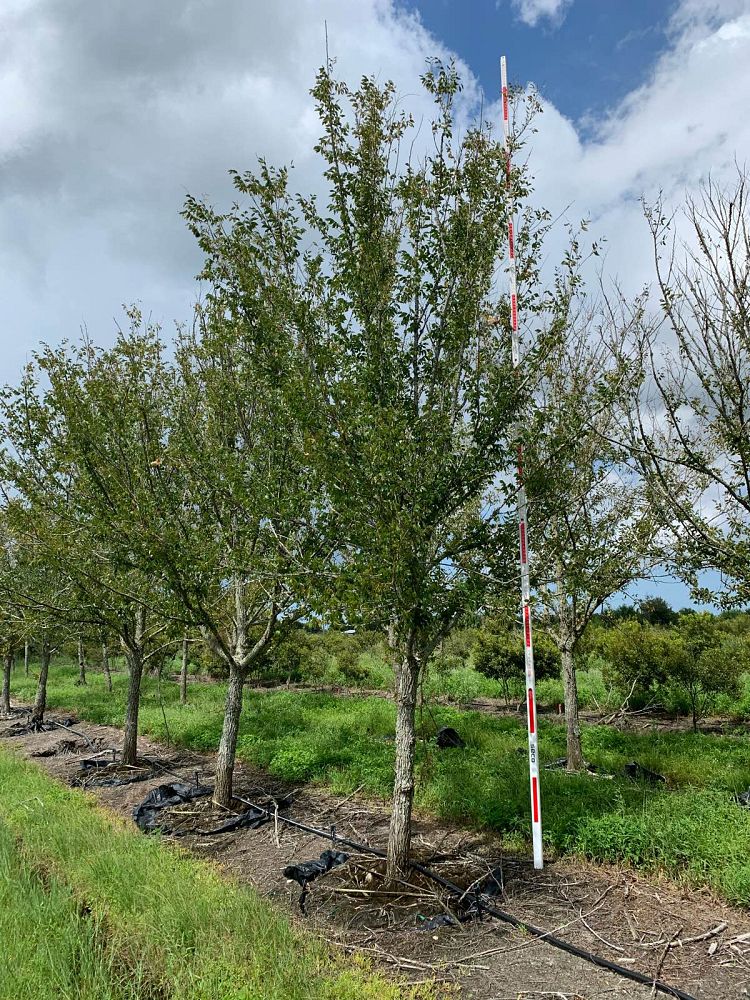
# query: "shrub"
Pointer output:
{"type": "Point", "coordinates": [500, 655]}
{"type": "Point", "coordinates": [639, 658]}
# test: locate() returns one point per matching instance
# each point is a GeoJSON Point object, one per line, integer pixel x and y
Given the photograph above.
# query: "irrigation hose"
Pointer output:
{"type": "Point", "coordinates": [493, 911]}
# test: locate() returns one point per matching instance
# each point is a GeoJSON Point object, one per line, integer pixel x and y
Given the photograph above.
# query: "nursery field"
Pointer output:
{"type": "Point", "coordinates": [690, 827]}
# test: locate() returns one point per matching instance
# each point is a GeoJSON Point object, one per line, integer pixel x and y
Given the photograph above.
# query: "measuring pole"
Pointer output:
{"type": "Point", "coordinates": [536, 804]}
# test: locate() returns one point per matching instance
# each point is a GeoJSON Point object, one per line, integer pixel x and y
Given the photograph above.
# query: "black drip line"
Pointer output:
{"type": "Point", "coordinates": [490, 910]}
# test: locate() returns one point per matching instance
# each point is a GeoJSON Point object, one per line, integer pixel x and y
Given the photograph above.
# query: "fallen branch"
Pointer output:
{"type": "Point", "coordinates": [664, 954]}
{"type": "Point", "coordinates": [680, 942]}
{"type": "Point", "coordinates": [614, 947]}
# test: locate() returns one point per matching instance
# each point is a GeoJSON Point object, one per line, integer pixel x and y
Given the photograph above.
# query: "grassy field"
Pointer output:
{"type": "Point", "coordinates": [692, 829]}
{"type": "Point", "coordinates": [91, 909]}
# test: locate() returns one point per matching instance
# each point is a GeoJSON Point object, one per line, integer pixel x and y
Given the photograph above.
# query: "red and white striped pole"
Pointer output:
{"type": "Point", "coordinates": [536, 804]}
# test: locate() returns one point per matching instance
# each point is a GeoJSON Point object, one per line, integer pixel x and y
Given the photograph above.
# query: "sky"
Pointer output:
{"type": "Point", "coordinates": [110, 113]}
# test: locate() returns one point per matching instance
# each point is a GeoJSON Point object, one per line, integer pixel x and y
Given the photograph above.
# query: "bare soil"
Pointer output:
{"type": "Point", "coordinates": [642, 923]}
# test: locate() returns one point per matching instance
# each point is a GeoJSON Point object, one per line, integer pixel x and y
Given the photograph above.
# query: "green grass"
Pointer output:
{"type": "Point", "coordinates": [50, 948]}
{"type": "Point", "coordinates": [692, 829]}
{"type": "Point", "coordinates": [156, 923]}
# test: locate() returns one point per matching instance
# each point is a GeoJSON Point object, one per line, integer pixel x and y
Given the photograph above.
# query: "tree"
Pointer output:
{"type": "Point", "coordinates": [656, 611]}
{"type": "Point", "coordinates": [228, 518]}
{"type": "Point", "coordinates": [708, 666]}
{"type": "Point", "coordinates": [594, 530]}
{"type": "Point", "coordinates": [623, 612]}
{"type": "Point", "coordinates": [499, 653]}
{"type": "Point", "coordinates": [13, 625]}
{"type": "Point", "coordinates": [642, 656]}
{"type": "Point", "coordinates": [690, 431]}
{"type": "Point", "coordinates": [184, 669]}
{"type": "Point", "coordinates": [7, 648]}
{"type": "Point", "coordinates": [409, 393]}
{"type": "Point", "coordinates": [82, 430]}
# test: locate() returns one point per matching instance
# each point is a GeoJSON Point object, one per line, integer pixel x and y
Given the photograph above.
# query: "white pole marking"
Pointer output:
{"type": "Point", "coordinates": [531, 719]}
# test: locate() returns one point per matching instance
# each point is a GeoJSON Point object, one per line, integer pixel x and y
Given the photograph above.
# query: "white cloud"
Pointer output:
{"type": "Point", "coordinates": [110, 113]}
{"type": "Point", "coordinates": [533, 11]}
{"type": "Point", "coordinates": [688, 120]}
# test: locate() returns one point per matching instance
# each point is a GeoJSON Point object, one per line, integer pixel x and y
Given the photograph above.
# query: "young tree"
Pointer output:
{"type": "Point", "coordinates": [409, 391]}
{"type": "Point", "coordinates": [81, 662]}
{"type": "Point", "coordinates": [184, 669]}
{"type": "Point", "coordinates": [29, 593]}
{"type": "Point", "coordinates": [594, 530]}
{"type": "Point", "coordinates": [82, 430]}
{"type": "Point", "coordinates": [227, 518]}
{"type": "Point", "coordinates": [105, 664]}
{"type": "Point", "coordinates": [710, 664]}
{"type": "Point", "coordinates": [12, 624]}
{"type": "Point", "coordinates": [8, 654]}
{"type": "Point", "coordinates": [656, 611]}
{"type": "Point", "coordinates": [642, 656]}
{"type": "Point", "coordinates": [499, 653]}
{"type": "Point", "coordinates": [691, 430]}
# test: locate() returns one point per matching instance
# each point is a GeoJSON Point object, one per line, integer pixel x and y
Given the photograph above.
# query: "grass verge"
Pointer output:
{"type": "Point", "coordinates": [51, 947]}
{"type": "Point", "coordinates": [91, 908]}
{"type": "Point", "coordinates": [691, 829]}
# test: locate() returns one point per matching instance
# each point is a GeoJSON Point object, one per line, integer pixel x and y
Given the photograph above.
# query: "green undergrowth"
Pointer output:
{"type": "Point", "coordinates": [95, 909]}
{"type": "Point", "coordinates": [692, 829]}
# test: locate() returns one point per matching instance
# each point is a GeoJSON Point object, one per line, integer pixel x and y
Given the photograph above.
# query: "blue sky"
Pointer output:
{"type": "Point", "coordinates": [584, 61]}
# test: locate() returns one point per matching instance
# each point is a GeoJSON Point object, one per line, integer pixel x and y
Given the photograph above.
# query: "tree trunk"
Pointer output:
{"type": "Point", "coordinates": [130, 741]}
{"type": "Point", "coordinates": [183, 672]}
{"type": "Point", "coordinates": [399, 832]}
{"type": "Point", "coordinates": [26, 658]}
{"type": "Point", "coordinates": [105, 666]}
{"type": "Point", "coordinates": [81, 664]}
{"type": "Point", "coordinates": [229, 732]}
{"type": "Point", "coordinates": [40, 701]}
{"type": "Point", "coordinates": [5, 697]}
{"type": "Point", "coordinates": [572, 724]}
{"type": "Point", "coordinates": [135, 664]}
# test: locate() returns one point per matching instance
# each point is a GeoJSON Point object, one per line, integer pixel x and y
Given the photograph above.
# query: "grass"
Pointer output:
{"type": "Point", "coordinates": [691, 829]}
{"type": "Point", "coordinates": [50, 948]}
{"type": "Point", "coordinates": [91, 908]}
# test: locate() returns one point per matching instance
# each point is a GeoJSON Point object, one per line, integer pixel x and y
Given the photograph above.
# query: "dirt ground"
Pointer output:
{"type": "Point", "coordinates": [688, 938]}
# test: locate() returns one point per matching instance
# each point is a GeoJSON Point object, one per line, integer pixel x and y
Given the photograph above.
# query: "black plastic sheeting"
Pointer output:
{"type": "Point", "coordinates": [147, 815]}
{"type": "Point", "coordinates": [308, 871]}
{"type": "Point", "coordinates": [447, 738]}
{"type": "Point", "coordinates": [251, 819]}
{"type": "Point", "coordinates": [469, 906]}
{"type": "Point", "coordinates": [148, 819]}
{"type": "Point", "coordinates": [640, 773]}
